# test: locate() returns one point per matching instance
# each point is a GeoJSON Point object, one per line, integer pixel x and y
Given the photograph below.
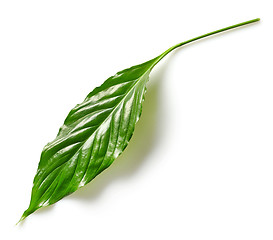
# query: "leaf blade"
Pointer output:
{"type": "Point", "coordinates": [93, 135]}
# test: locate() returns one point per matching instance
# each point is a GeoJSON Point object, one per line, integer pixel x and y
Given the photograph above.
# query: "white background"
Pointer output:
{"type": "Point", "coordinates": [200, 164]}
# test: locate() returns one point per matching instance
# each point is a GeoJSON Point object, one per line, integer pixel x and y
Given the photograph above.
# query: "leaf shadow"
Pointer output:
{"type": "Point", "coordinates": [142, 143]}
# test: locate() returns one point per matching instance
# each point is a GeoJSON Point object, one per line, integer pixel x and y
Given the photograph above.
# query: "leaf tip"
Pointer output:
{"type": "Point", "coordinates": [21, 219]}
{"type": "Point", "coordinates": [25, 215]}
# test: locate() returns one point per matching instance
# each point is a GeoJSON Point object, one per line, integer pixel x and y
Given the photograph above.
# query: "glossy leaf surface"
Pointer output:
{"type": "Point", "coordinates": [94, 133]}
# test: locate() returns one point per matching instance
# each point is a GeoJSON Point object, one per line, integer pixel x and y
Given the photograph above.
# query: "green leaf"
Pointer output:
{"type": "Point", "coordinates": [94, 133]}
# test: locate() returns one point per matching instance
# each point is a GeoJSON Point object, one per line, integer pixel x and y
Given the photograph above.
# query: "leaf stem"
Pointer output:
{"type": "Point", "coordinates": [203, 36]}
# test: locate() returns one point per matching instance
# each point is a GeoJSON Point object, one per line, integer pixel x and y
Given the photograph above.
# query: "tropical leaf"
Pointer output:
{"type": "Point", "coordinates": [94, 133]}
